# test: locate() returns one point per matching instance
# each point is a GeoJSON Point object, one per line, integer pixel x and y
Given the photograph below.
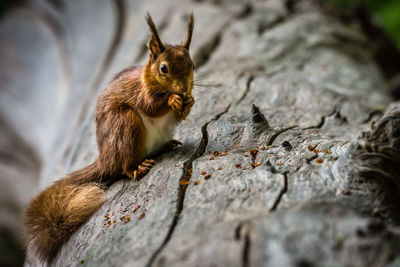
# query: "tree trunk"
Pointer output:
{"type": "Point", "coordinates": [288, 156]}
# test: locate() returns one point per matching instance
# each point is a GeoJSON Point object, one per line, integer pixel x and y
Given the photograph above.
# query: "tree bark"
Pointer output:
{"type": "Point", "coordinates": [288, 156]}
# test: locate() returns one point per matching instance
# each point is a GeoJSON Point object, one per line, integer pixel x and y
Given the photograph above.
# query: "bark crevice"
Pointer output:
{"type": "Point", "coordinates": [187, 173]}
{"type": "Point", "coordinates": [277, 133]}
{"type": "Point", "coordinates": [246, 92]}
{"type": "Point", "coordinates": [281, 192]}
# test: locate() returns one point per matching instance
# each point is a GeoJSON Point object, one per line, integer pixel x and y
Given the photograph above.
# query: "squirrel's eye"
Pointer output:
{"type": "Point", "coordinates": [163, 68]}
{"type": "Point", "coordinates": [193, 66]}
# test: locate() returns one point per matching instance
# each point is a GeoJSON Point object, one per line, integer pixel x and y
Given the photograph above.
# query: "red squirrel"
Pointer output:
{"type": "Point", "coordinates": [135, 116]}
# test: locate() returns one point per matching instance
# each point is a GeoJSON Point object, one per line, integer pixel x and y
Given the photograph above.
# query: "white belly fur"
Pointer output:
{"type": "Point", "coordinates": [158, 131]}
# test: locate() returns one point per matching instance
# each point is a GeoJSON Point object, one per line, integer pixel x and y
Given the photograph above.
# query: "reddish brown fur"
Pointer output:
{"type": "Point", "coordinates": [57, 212]}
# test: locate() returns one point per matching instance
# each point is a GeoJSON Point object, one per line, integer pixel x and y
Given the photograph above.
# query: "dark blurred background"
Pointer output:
{"type": "Point", "coordinates": [384, 13]}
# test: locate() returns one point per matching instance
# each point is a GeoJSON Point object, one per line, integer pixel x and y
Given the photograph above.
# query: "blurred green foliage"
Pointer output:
{"type": "Point", "coordinates": [387, 12]}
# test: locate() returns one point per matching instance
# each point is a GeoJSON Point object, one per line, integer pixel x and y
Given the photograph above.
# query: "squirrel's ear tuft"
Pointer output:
{"type": "Point", "coordinates": [186, 43]}
{"type": "Point", "coordinates": [155, 45]}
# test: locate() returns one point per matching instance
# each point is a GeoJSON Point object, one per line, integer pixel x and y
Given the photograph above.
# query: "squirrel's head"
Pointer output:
{"type": "Point", "coordinates": [170, 67]}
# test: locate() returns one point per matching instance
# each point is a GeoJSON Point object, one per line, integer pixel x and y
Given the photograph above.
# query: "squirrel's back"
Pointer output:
{"type": "Point", "coordinates": [58, 211]}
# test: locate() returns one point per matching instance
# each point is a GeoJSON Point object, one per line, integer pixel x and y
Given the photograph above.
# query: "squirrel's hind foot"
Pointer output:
{"type": "Point", "coordinates": [142, 169]}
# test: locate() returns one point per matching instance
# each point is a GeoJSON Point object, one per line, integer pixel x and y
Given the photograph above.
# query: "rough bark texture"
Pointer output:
{"type": "Point", "coordinates": [288, 158]}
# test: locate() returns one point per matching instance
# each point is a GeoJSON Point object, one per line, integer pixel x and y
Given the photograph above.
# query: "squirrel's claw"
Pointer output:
{"type": "Point", "coordinates": [142, 169]}
{"type": "Point", "coordinates": [148, 163]}
{"type": "Point", "coordinates": [187, 106]}
{"type": "Point", "coordinates": [189, 100]}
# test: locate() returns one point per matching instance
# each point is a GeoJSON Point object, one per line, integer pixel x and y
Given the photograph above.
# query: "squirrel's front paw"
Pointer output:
{"type": "Point", "coordinates": [175, 102]}
{"type": "Point", "coordinates": [187, 106]}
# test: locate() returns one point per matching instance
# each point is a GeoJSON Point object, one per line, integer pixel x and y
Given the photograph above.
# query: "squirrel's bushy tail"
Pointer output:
{"type": "Point", "coordinates": [57, 212]}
